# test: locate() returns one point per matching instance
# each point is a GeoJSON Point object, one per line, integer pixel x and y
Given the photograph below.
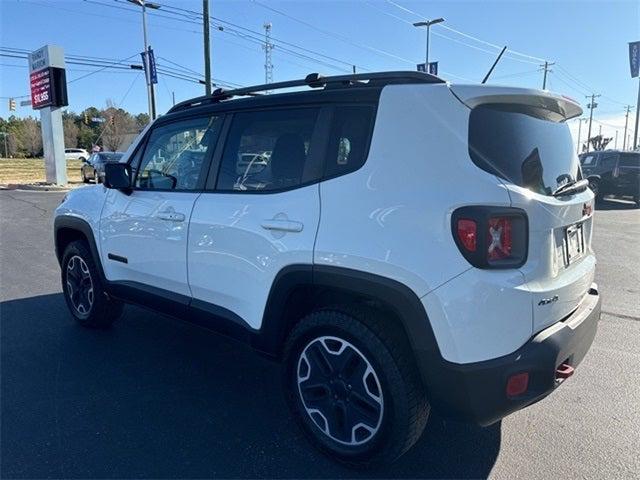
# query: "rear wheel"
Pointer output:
{"type": "Point", "coordinates": [353, 386]}
{"type": "Point", "coordinates": [83, 290]}
{"type": "Point", "coordinates": [84, 177]}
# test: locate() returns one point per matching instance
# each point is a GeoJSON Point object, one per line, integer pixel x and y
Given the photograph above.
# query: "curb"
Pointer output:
{"type": "Point", "coordinates": [37, 187]}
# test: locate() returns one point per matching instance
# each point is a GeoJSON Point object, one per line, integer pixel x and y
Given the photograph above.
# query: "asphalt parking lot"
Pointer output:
{"type": "Point", "coordinates": [153, 397]}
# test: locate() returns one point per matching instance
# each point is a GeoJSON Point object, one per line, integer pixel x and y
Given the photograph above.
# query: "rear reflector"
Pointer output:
{"type": "Point", "coordinates": [517, 384]}
{"type": "Point", "coordinates": [467, 231]}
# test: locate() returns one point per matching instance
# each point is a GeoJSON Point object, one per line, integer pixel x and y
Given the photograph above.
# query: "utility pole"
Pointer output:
{"type": "Point", "coordinates": [635, 132]}
{"type": "Point", "coordinates": [546, 69]}
{"type": "Point", "coordinates": [579, 131]}
{"type": "Point", "coordinates": [615, 144]}
{"type": "Point", "coordinates": [268, 46]}
{"type": "Point", "coordinates": [591, 106]}
{"type": "Point", "coordinates": [626, 121]}
{"type": "Point", "coordinates": [150, 93]}
{"type": "Point", "coordinates": [207, 51]}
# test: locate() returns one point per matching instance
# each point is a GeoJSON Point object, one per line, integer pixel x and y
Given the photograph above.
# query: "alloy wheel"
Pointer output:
{"type": "Point", "coordinates": [340, 390]}
{"type": "Point", "coordinates": [79, 285]}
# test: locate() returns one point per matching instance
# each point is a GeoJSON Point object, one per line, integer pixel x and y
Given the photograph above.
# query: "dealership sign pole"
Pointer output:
{"type": "Point", "coordinates": [634, 64]}
{"type": "Point", "coordinates": [48, 84]}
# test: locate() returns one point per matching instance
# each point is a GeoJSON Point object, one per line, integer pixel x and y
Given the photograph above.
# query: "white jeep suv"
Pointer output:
{"type": "Point", "coordinates": [406, 244]}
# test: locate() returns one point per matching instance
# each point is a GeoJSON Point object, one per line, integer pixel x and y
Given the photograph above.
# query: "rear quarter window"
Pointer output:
{"type": "Point", "coordinates": [349, 139]}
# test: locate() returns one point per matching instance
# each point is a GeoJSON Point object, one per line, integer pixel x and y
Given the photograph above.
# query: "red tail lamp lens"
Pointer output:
{"type": "Point", "coordinates": [467, 233]}
{"type": "Point", "coordinates": [517, 384]}
{"type": "Point", "coordinates": [499, 238]}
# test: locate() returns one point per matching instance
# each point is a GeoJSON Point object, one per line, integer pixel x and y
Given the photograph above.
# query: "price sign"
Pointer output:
{"type": "Point", "coordinates": [41, 94]}
{"type": "Point", "coordinates": [47, 78]}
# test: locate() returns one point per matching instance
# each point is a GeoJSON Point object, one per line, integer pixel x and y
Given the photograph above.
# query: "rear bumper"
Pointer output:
{"type": "Point", "coordinates": [477, 391]}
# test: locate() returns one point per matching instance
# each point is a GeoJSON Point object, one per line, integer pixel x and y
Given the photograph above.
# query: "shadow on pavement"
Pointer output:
{"type": "Point", "coordinates": [615, 204]}
{"type": "Point", "coordinates": [153, 397]}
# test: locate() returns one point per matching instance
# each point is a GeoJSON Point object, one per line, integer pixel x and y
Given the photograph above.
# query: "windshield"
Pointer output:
{"type": "Point", "coordinates": [519, 144]}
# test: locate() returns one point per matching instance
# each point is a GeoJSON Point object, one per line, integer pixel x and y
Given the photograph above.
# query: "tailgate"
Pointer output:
{"type": "Point", "coordinates": [520, 135]}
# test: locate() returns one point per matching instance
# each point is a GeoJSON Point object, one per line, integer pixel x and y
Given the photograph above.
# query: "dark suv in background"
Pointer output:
{"type": "Point", "coordinates": [612, 172]}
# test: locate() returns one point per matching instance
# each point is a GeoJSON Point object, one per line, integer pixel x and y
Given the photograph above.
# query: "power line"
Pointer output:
{"type": "Point", "coordinates": [338, 36]}
{"type": "Point", "coordinates": [238, 30]}
{"type": "Point", "coordinates": [466, 35]}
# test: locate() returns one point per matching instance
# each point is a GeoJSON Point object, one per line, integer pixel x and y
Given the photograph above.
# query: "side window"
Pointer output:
{"type": "Point", "coordinates": [267, 150]}
{"type": "Point", "coordinates": [609, 161]}
{"type": "Point", "coordinates": [176, 154]}
{"type": "Point", "coordinates": [349, 139]}
{"type": "Point", "coordinates": [629, 160]}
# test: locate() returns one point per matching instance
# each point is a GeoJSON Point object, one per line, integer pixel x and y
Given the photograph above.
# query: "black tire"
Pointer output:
{"type": "Point", "coordinates": [402, 407]}
{"type": "Point", "coordinates": [82, 159]}
{"type": "Point", "coordinates": [84, 177]}
{"type": "Point", "coordinates": [83, 290]}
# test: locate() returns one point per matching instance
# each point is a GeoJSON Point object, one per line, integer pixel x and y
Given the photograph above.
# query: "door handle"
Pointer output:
{"type": "Point", "coordinates": [170, 216]}
{"type": "Point", "coordinates": [282, 225]}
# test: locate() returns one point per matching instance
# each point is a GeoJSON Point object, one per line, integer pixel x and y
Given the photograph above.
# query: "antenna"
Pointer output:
{"type": "Point", "coordinates": [486, 77]}
{"type": "Point", "coordinates": [268, 46]}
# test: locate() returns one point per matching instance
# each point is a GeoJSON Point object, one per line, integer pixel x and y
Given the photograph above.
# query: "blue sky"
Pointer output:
{"type": "Point", "coordinates": [586, 39]}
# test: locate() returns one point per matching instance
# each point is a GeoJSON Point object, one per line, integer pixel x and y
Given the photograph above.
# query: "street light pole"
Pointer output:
{"type": "Point", "coordinates": [150, 92]}
{"type": "Point", "coordinates": [428, 23]}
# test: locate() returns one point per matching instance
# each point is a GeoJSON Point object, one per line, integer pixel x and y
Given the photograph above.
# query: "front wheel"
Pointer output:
{"type": "Point", "coordinates": [83, 290]}
{"type": "Point", "coordinates": [353, 386]}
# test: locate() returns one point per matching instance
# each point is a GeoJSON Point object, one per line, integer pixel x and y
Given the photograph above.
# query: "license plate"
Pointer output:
{"type": "Point", "coordinates": [574, 243]}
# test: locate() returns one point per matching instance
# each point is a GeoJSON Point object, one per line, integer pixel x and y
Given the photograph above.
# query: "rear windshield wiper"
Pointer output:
{"type": "Point", "coordinates": [569, 188]}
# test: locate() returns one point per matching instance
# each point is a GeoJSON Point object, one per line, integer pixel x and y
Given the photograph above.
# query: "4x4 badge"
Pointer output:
{"type": "Point", "coordinates": [547, 301]}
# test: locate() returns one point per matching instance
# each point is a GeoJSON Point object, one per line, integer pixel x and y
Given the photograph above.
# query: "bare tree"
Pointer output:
{"type": "Point", "coordinates": [118, 124]}
{"type": "Point", "coordinates": [599, 142]}
{"type": "Point", "coordinates": [71, 132]}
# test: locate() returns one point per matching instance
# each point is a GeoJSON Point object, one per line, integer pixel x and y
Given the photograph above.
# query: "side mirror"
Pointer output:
{"type": "Point", "coordinates": [117, 176]}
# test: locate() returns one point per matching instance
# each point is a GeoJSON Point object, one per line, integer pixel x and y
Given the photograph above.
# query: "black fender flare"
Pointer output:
{"type": "Point", "coordinates": [404, 303]}
{"type": "Point", "coordinates": [81, 226]}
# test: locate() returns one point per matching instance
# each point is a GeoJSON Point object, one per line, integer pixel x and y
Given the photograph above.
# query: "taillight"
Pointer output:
{"type": "Point", "coordinates": [467, 231]}
{"type": "Point", "coordinates": [491, 237]}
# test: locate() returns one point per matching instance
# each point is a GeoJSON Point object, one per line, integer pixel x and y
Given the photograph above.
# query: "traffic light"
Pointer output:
{"type": "Point", "coordinates": [111, 120]}
{"type": "Point", "coordinates": [86, 118]}
{"type": "Point", "coordinates": [12, 104]}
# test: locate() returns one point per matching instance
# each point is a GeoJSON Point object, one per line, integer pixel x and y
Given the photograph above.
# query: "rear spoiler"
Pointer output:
{"type": "Point", "coordinates": [563, 108]}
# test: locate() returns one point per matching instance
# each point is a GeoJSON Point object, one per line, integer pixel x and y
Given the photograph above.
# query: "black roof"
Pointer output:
{"type": "Point", "coordinates": [315, 81]}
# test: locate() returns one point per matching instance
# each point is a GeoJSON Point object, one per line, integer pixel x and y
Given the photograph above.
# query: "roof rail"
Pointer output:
{"type": "Point", "coordinates": [313, 80]}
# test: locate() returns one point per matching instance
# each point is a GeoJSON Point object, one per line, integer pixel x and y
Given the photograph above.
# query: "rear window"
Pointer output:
{"type": "Point", "coordinates": [588, 160]}
{"type": "Point", "coordinates": [520, 145]}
